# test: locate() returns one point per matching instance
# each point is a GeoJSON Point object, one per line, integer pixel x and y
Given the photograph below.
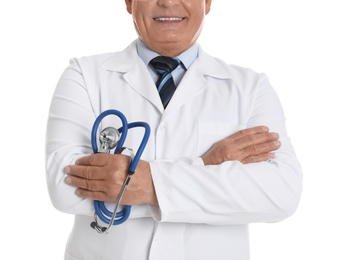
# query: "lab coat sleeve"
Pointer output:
{"type": "Point", "coordinates": [75, 106]}
{"type": "Point", "coordinates": [233, 193]}
{"type": "Point", "coordinates": [68, 138]}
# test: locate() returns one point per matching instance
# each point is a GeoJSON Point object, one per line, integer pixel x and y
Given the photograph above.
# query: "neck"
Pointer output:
{"type": "Point", "coordinates": [169, 49]}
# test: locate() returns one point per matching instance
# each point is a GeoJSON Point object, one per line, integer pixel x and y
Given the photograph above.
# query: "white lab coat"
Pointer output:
{"type": "Point", "coordinates": [204, 210]}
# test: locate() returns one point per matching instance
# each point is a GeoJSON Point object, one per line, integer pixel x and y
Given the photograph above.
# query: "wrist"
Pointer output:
{"type": "Point", "coordinates": [146, 182]}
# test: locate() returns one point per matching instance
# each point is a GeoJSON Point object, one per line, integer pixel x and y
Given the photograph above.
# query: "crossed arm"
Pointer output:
{"type": "Point", "coordinates": [100, 176]}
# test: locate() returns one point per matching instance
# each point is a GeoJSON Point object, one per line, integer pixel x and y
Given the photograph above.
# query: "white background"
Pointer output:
{"type": "Point", "coordinates": [295, 42]}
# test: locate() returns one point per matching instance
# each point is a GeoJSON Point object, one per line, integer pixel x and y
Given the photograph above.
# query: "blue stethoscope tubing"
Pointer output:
{"type": "Point", "coordinates": [99, 206]}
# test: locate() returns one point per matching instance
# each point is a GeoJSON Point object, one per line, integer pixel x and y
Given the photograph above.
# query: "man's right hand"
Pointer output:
{"type": "Point", "coordinates": [247, 146]}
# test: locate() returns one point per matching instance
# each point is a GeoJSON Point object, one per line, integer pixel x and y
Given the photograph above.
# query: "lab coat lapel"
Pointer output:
{"type": "Point", "coordinates": [196, 80]}
{"type": "Point", "coordinates": [135, 74]}
{"type": "Point", "coordinates": [141, 81]}
{"type": "Point", "coordinates": [138, 77]}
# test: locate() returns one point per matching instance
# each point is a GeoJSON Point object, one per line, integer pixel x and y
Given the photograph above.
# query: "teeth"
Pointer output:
{"type": "Point", "coordinates": [169, 19]}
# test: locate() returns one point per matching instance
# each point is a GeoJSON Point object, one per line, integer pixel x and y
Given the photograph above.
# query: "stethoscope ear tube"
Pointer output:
{"type": "Point", "coordinates": [108, 217]}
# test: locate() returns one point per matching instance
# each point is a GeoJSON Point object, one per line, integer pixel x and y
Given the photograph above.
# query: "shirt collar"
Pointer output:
{"type": "Point", "coordinates": [186, 58]}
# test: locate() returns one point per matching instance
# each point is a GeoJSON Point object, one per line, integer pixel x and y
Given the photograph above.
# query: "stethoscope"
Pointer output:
{"type": "Point", "coordinates": [111, 138]}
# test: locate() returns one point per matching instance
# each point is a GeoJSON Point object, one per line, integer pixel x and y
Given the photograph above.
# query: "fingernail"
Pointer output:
{"type": "Point", "coordinates": [67, 170]}
{"type": "Point", "coordinates": [68, 180]}
{"type": "Point", "coordinates": [277, 143]}
{"type": "Point", "coordinates": [275, 135]}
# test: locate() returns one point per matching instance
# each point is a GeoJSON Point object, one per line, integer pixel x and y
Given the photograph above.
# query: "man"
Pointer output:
{"type": "Point", "coordinates": [209, 168]}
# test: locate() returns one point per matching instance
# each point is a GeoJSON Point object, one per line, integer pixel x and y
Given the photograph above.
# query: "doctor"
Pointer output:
{"type": "Point", "coordinates": [218, 157]}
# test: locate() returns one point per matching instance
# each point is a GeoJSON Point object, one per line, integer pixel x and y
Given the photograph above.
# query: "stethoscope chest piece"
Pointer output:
{"type": "Point", "coordinates": [109, 138]}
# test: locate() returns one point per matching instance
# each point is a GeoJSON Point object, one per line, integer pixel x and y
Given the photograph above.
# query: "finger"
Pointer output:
{"type": "Point", "coordinates": [86, 172]}
{"type": "Point", "coordinates": [99, 159]}
{"type": "Point", "coordinates": [91, 185]}
{"type": "Point", "coordinates": [249, 131]}
{"type": "Point", "coordinates": [258, 158]}
{"type": "Point", "coordinates": [258, 149]}
{"type": "Point", "coordinates": [93, 195]}
{"type": "Point", "coordinates": [256, 139]}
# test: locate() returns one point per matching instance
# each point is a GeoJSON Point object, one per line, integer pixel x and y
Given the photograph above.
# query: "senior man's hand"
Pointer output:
{"type": "Point", "coordinates": [101, 177]}
{"type": "Point", "coordinates": [247, 146]}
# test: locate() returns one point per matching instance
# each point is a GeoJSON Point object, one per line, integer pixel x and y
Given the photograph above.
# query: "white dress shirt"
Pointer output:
{"type": "Point", "coordinates": [204, 211]}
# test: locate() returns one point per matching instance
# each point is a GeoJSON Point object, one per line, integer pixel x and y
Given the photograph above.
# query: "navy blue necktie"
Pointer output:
{"type": "Point", "coordinates": [165, 84]}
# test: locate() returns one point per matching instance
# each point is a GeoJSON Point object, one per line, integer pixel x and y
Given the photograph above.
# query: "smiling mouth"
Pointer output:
{"type": "Point", "coordinates": [164, 19]}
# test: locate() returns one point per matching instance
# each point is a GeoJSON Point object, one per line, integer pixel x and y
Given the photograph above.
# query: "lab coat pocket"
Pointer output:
{"type": "Point", "coordinates": [210, 133]}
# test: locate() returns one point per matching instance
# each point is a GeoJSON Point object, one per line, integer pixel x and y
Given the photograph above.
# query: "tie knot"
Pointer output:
{"type": "Point", "coordinates": [164, 64]}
